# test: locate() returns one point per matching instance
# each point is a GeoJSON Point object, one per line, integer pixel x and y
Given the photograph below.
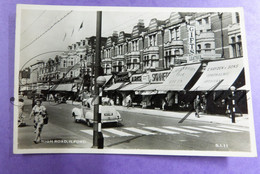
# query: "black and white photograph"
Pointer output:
{"type": "Point", "coordinates": [132, 80]}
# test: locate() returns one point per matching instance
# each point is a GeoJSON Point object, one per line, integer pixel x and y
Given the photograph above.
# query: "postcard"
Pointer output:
{"type": "Point", "coordinates": [132, 80]}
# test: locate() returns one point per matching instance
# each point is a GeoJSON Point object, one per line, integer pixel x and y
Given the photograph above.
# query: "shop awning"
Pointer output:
{"type": "Point", "coordinates": [149, 92]}
{"type": "Point", "coordinates": [63, 87]}
{"type": "Point", "coordinates": [244, 88]}
{"type": "Point", "coordinates": [24, 88]}
{"type": "Point", "coordinates": [108, 77]}
{"type": "Point", "coordinates": [219, 75]}
{"type": "Point", "coordinates": [133, 87]}
{"type": "Point", "coordinates": [116, 86]}
{"type": "Point", "coordinates": [179, 78]}
{"type": "Point", "coordinates": [150, 87]}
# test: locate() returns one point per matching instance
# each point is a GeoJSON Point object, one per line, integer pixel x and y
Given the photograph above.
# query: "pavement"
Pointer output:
{"type": "Point", "coordinates": [222, 119]}
{"type": "Point", "coordinates": [240, 121]}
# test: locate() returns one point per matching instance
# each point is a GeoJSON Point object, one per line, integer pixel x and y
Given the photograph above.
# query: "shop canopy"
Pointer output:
{"type": "Point", "coordinates": [150, 87]}
{"type": "Point", "coordinates": [179, 78]}
{"type": "Point", "coordinates": [219, 75]}
{"type": "Point", "coordinates": [116, 86]}
{"type": "Point", "coordinates": [63, 87]}
{"type": "Point", "coordinates": [23, 88]}
{"type": "Point", "coordinates": [133, 87]}
{"type": "Point", "coordinates": [108, 77]}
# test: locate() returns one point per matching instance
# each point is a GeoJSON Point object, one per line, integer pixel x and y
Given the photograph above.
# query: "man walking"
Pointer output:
{"type": "Point", "coordinates": [197, 106]}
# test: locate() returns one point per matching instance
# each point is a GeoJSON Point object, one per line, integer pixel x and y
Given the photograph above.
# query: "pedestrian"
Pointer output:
{"type": "Point", "coordinates": [197, 106]}
{"type": "Point", "coordinates": [129, 101]}
{"type": "Point", "coordinates": [21, 116]}
{"type": "Point", "coordinates": [39, 113]}
{"type": "Point", "coordinates": [164, 103]}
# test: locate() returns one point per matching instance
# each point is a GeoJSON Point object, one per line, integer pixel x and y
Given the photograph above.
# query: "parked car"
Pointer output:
{"type": "Point", "coordinates": [85, 113]}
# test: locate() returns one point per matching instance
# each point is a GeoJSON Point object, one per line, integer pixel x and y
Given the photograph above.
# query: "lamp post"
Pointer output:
{"type": "Point", "coordinates": [232, 104]}
{"type": "Point", "coordinates": [98, 140]}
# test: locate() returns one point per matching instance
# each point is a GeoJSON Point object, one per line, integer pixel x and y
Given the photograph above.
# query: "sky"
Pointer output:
{"type": "Point", "coordinates": [62, 28]}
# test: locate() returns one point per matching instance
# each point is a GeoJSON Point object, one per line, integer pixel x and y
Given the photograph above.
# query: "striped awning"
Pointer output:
{"type": "Point", "coordinates": [116, 86]}
{"type": "Point", "coordinates": [219, 75]}
{"type": "Point", "coordinates": [63, 87]}
{"type": "Point", "coordinates": [133, 87]}
{"type": "Point", "coordinates": [179, 78]}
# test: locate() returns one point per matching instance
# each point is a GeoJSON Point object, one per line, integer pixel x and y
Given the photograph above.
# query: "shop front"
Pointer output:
{"type": "Point", "coordinates": [176, 87]}
{"type": "Point", "coordinates": [150, 96]}
{"type": "Point", "coordinates": [216, 84]}
{"type": "Point", "coordinates": [64, 91]}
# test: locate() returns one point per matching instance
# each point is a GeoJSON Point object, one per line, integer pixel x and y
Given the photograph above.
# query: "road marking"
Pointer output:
{"type": "Point", "coordinates": [141, 124]}
{"type": "Point", "coordinates": [117, 132]}
{"type": "Point", "coordinates": [221, 129]}
{"type": "Point", "coordinates": [235, 128]}
{"type": "Point", "coordinates": [193, 135]}
{"type": "Point", "coordinates": [182, 130]}
{"type": "Point", "coordinates": [90, 132]}
{"type": "Point", "coordinates": [201, 129]}
{"type": "Point", "coordinates": [139, 131]}
{"type": "Point", "coordinates": [161, 130]}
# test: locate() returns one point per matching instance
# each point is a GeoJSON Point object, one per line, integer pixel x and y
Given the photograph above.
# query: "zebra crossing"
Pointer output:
{"type": "Point", "coordinates": [165, 130]}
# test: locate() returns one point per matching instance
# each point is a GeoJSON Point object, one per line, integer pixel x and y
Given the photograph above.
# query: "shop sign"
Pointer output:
{"type": "Point", "coordinates": [219, 75]}
{"type": "Point", "coordinates": [193, 58]}
{"type": "Point", "coordinates": [191, 39]}
{"type": "Point", "coordinates": [159, 76]}
{"type": "Point", "coordinates": [124, 78]}
{"type": "Point", "coordinates": [145, 78]}
{"type": "Point", "coordinates": [136, 78]}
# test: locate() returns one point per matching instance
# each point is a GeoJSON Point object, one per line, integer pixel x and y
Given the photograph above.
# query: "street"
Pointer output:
{"type": "Point", "coordinates": [137, 131]}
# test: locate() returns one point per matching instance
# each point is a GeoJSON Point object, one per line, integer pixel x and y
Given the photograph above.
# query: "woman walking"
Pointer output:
{"type": "Point", "coordinates": [39, 113]}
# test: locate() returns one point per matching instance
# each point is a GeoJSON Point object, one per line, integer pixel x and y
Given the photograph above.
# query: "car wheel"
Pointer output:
{"type": "Point", "coordinates": [88, 123]}
{"type": "Point", "coordinates": [74, 116]}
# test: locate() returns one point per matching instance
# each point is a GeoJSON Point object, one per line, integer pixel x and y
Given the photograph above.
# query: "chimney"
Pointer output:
{"type": "Point", "coordinates": [115, 34]}
{"type": "Point", "coordinates": [140, 23]}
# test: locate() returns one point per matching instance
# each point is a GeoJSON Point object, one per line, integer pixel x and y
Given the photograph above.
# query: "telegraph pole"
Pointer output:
{"type": "Point", "coordinates": [98, 140]}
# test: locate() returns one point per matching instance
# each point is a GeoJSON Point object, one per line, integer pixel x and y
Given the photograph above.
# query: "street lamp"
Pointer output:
{"type": "Point", "coordinates": [98, 140]}
{"type": "Point", "coordinates": [232, 104]}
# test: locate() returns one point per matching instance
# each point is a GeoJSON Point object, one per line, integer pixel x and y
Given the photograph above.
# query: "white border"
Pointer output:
{"type": "Point", "coordinates": [253, 152]}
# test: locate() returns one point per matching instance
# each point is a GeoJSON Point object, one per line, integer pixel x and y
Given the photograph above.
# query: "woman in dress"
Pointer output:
{"type": "Point", "coordinates": [39, 113]}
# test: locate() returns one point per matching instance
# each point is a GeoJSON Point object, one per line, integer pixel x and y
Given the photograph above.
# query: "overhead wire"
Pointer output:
{"type": "Point", "coordinates": [46, 30]}
{"type": "Point", "coordinates": [36, 19]}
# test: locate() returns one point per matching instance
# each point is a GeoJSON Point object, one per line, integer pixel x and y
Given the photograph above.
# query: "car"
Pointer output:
{"type": "Point", "coordinates": [85, 112]}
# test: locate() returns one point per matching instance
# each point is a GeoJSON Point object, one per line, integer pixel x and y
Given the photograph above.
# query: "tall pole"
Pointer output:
{"type": "Point", "coordinates": [222, 34]}
{"type": "Point", "coordinates": [98, 140]}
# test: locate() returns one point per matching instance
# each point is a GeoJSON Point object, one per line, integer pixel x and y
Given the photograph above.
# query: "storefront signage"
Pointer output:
{"type": "Point", "coordinates": [191, 39]}
{"type": "Point", "coordinates": [136, 78]}
{"type": "Point", "coordinates": [123, 78]}
{"type": "Point", "coordinates": [159, 76]}
{"type": "Point", "coordinates": [193, 58]}
{"type": "Point", "coordinates": [219, 75]}
{"type": "Point", "coordinates": [179, 77]}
